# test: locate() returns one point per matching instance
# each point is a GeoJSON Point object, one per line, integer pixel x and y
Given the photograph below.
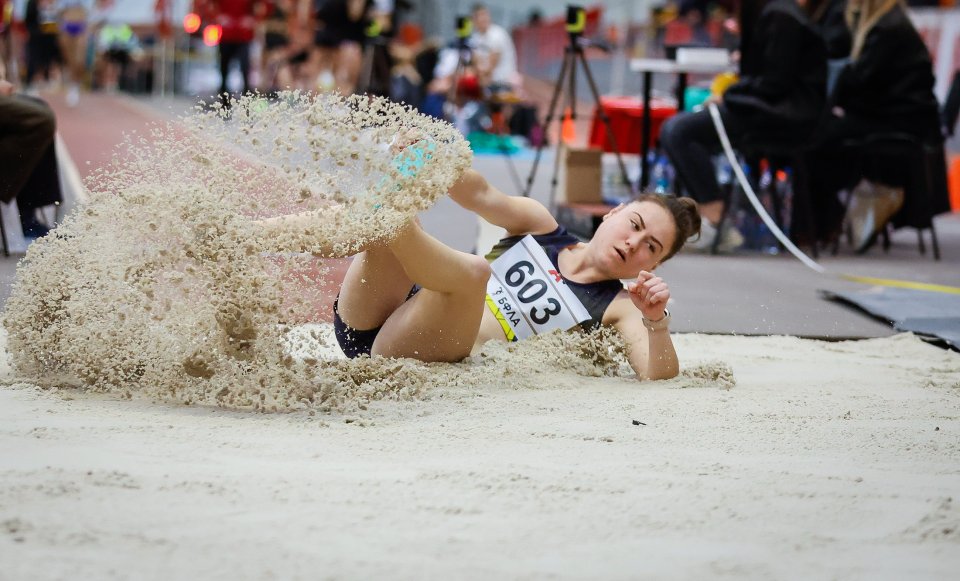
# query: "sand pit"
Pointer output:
{"type": "Point", "coordinates": [824, 461]}
{"type": "Point", "coordinates": [164, 416]}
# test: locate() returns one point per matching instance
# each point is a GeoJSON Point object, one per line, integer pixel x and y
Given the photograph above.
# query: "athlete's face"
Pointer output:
{"type": "Point", "coordinates": [633, 237]}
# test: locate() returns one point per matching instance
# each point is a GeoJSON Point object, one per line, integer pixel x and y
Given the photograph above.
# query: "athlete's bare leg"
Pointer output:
{"type": "Point", "coordinates": [374, 286]}
{"type": "Point", "coordinates": [441, 322]}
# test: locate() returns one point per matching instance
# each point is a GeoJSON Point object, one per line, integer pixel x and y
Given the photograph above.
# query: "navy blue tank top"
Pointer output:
{"type": "Point", "coordinates": [595, 296]}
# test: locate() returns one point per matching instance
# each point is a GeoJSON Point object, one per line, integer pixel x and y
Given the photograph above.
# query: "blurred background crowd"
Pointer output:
{"type": "Point", "coordinates": [491, 67]}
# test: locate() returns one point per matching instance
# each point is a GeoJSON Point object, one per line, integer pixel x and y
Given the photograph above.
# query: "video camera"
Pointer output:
{"type": "Point", "coordinates": [464, 27]}
{"type": "Point", "coordinates": [576, 19]}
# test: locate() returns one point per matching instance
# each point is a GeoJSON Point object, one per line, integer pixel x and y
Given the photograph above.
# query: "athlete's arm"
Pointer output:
{"type": "Point", "coordinates": [516, 214]}
{"type": "Point", "coordinates": [650, 353]}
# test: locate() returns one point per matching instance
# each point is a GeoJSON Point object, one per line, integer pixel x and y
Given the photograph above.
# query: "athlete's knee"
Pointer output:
{"type": "Point", "coordinates": [477, 272]}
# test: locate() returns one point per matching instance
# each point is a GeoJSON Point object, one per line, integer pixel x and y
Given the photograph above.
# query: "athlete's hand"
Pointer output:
{"type": "Point", "coordinates": [6, 88]}
{"type": "Point", "coordinates": [650, 294]}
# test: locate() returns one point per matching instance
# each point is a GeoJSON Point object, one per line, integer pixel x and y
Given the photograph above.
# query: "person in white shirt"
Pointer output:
{"type": "Point", "coordinates": [493, 53]}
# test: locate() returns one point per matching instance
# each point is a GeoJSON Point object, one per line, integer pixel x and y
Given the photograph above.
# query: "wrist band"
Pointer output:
{"type": "Point", "coordinates": [658, 325]}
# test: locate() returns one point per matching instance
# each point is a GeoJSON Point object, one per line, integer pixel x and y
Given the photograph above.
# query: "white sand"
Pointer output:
{"type": "Point", "coordinates": [825, 461]}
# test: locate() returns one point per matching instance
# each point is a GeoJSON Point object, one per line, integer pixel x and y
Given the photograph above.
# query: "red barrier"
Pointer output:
{"type": "Point", "coordinates": [955, 183]}
{"type": "Point", "coordinates": [679, 32]}
{"type": "Point", "coordinates": [626, 118]}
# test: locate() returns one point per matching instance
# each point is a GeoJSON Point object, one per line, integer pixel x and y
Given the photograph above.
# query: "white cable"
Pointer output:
{"type": "Point", "coordinates": [752, 196]}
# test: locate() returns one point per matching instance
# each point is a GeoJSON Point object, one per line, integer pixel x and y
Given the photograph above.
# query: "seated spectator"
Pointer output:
{"type": "Point", "coordinates": [494, 55]}
{"type": "Point", "coordinates": [887, 87]}
{"type": "Point", "coordinates": [775, 106]}
{"type": "Point", "coordinates": [28, 160]}
{"type": "Point", "coordinates": [829, 16]}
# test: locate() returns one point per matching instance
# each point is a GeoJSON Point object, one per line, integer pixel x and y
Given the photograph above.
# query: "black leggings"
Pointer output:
{"type": "Point", "coordinates": [228, 52]}
{"type": "Point", "coordinates": [357, 342]}
{"type": "Point", "coordinates": [691, 141]}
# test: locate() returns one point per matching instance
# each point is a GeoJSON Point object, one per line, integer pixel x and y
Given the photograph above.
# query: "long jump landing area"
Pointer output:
{"type": "Point", "coordinates": [745, 294]}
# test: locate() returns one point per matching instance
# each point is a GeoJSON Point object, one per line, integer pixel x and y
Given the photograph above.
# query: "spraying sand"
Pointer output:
{"type": "Point", "coordinates": [168, 284]}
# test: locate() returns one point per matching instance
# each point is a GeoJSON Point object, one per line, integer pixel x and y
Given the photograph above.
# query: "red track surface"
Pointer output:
{"type": "Point", "coordinates": [95, 127]}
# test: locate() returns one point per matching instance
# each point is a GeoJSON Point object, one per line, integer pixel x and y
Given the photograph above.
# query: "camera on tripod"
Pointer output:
{"type": "Point", "coordinates": [573, 55]}
{"type": "Point", "coordinates": [576, 19]}
{"type": "Point", "coordinates": [464, 28]}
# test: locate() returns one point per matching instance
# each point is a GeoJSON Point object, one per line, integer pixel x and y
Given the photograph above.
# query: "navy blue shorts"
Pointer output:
{"type": "Point", "coordinates": [356, 342]}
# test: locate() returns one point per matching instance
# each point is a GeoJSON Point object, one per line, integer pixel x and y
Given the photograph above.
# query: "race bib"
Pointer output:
{"type": "Point", "coordinates": [528, 295]}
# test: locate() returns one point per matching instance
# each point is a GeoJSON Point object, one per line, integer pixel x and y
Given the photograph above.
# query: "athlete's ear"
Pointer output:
{"type": "Point", "coordinates": [613, 211]}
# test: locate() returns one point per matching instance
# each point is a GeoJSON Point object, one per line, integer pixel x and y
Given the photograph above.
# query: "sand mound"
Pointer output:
{"type": "Point", "coordinates": [168, 285]}
{"type": "Point", "coordinates": [167, 281]}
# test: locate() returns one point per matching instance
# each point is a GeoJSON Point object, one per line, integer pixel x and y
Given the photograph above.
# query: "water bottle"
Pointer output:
{"type": "Point", "coordinates": [766, 177]}
{"type": "Point", "coordinates": [785, 191]}
{"type": "Point", "coordinates": [724, 171]}
{"type": "Point", "coordinates": [651, 167]}
{"type": "Point", "coordinates": [614, 190]}
{"type": "Point", "coordinates": [660, 180]}
{"type": "Point", "coordinates": [766, 240]}
{"type": "Point", "coordinates": [670, 174]}
{"type": "Point", "coordinates": [779, 190]}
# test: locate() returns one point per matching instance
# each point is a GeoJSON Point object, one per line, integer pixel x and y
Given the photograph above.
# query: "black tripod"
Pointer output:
{"type": "Point", "coordinates": [464, 60]}
{"type": "Point", "coordinates": [574, 51]}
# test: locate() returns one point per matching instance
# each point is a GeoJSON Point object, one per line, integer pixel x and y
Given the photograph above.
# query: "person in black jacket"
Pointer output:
{"type": "Point", "coordinates": [775, 107]}
{"type": "Point", "coordinates": [28, 159]}
{"type": "Point", "coordinates": [886, 88]}
{"type": "Point", "coordinates": [829, 16]}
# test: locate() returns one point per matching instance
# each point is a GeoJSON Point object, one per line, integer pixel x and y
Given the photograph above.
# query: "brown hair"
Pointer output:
{"type": "Point", "coordinates": [686, 218]}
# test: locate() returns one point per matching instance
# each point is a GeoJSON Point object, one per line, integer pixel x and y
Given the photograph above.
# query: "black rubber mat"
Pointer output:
{"type": "Point", "coordinates": [933, 314]}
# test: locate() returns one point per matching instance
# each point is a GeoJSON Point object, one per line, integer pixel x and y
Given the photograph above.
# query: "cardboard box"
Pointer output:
{"type": "Point", "coordinates": [583, 170]}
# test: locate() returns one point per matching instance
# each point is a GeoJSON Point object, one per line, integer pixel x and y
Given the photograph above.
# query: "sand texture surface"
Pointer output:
{"type": "Point", "coordinates": [823, 461]}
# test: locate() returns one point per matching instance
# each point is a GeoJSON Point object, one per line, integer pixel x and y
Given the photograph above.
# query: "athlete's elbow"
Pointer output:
{"type": "Point", "coordinates": [658, 370]}
{"type": "Point", "coordinates": [665, 374]}
{"type": "Point", "coordinates": [470, 185]}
